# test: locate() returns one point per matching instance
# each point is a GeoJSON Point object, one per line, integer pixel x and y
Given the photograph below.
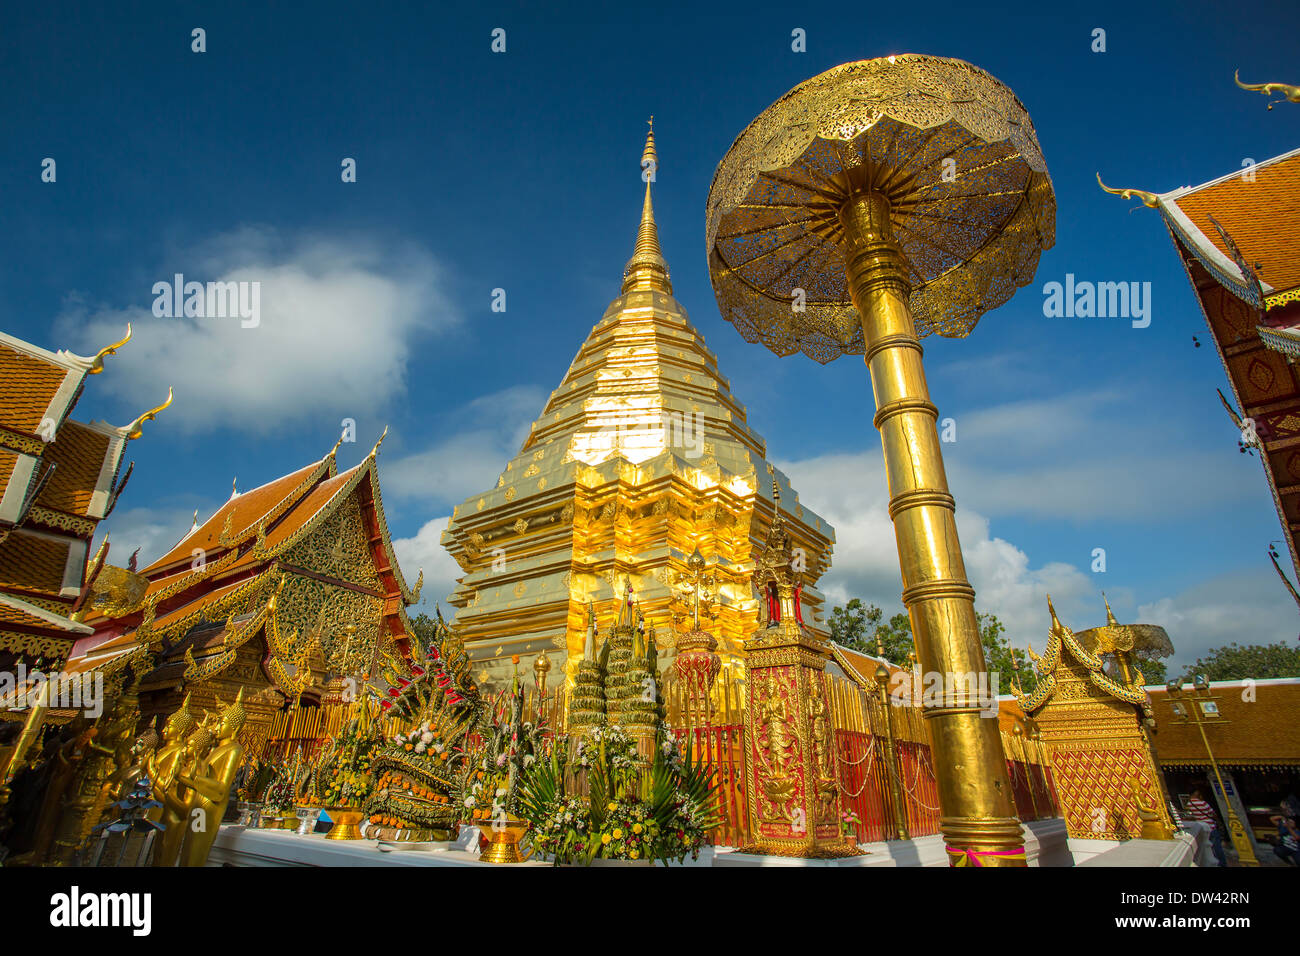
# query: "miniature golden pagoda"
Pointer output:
{"type": "Point", "coordinates": [794, 804]}
{"type": "Point", "coordinates": [1107, 777]}
{"type": "Point", "coordinates": [640, 456]}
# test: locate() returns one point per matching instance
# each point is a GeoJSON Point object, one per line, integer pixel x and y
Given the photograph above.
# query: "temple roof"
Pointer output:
{"type": "Point", "coordinates": [1238, 238]}
{"type": "Point", "coordinates": [248, 536]}
{"type": "Point", "coordinates": [1255, 726]}
{"type": "Point", "coordinates": [242, 514]}
{"type": "Point", "coordinates": [1061, 641]}
{"type": "Point", "coordinates": [1259, 208]}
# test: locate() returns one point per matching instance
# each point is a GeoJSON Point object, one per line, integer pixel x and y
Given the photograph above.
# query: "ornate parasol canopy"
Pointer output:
{"type": "Point", "coordinates": [952, 149]}
{"type": "Point", "coordinates": [1150, 640]}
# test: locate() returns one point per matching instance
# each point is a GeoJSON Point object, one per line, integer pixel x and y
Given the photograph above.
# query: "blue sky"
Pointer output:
{"type": "Point", "coordinates": [519, 171]}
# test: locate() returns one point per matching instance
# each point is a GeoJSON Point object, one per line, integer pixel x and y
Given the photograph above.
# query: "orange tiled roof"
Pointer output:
{"type": "Point", "coordinates": [860, 667]}
{"type": "Point", "coordinates": [32, 563]}
{"type": "Point", "coordinates": [14, 611]}
{"type": "Point", "coordinates": [79, 451]}
{"type": "Point", "coordinates": [310, 506]}
{"type": "Point", "coordinates": [27, 386]}
{"type": "Point", "coordinates": [247, 510]}
{"type": "Point", "coordinates": [1262, 217]}
{"type": "Point", "coordinates": [1257, 725]}
{"type": "Point", "coordinates": [8, 458]}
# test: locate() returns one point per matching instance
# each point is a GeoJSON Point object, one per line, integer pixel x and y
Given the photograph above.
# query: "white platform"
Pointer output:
{"type": "Point", "coordinates": [1046, 844]}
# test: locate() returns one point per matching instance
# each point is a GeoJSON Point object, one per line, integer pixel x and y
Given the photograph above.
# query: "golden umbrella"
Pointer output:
{"type": "Point", "coordinates": [868, 207]}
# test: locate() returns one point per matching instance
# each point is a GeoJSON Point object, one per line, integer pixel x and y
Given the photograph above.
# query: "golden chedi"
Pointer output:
{"type": "Point", "coordinates": [640, 455]}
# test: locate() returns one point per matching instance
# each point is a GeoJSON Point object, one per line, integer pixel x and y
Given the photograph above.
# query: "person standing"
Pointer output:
{"type": "Point", "coordinates": [1199, 809]}
{"type": "Point", "coordinates": [1287, 847]}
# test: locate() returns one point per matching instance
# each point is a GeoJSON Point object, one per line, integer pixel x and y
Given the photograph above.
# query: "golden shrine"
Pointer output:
{"type": "Point", "coordinates": [640, 457]}
{"type": "Point", "coordinates": [795, 802]}
{"type": "Point", "coordinates": [285, 587]}
{"type": "Point", "coordinates": [1098, 727]}
{"type": "Point", "coordinates": [266, 668]}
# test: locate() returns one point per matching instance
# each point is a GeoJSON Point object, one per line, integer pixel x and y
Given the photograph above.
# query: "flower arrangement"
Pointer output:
{"type": "Point", "coordinates": [495, 767]}
{"type": "Point", "coordinates": [848, 823]}
{"type": "Point", "coordinates": [280, 793]}
{"type": "Point", "coordinates": [342, 777]}
{"type": "Point", "coordinates": [632, 812]}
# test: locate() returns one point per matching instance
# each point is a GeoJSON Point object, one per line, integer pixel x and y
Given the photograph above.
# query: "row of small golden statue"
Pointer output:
{"type": "Point", "coordinates": [91, 764]}
{"type": "Point", "coordinates": [192, 773]}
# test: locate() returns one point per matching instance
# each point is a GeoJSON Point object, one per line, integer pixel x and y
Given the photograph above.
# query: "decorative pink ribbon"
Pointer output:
{"type": "Point", "coordinates": [972, 857]}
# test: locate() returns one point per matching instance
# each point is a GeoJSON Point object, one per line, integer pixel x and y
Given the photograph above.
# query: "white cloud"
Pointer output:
{"type": "Point", "coordinates": [423, 551]}
{"type": "Point", "coordinates": [1086, 455]}
{"type": "Point", "coordinates": [337, 322]}
{"type": "Point", "coordinates": [489, 431]}
{"type": "Point", "coordinates": [850, 492]}
{"type": "Point", "coordinates": [153, 530]}
{"type": "Point", "coordinates": [1248, 607]}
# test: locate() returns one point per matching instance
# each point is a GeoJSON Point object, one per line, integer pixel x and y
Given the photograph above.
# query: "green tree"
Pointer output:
{"type": "Point", "coordinates": [1153, 669]}
{"type": "Point", "coordinates": [424, 628]}
{"type": "Point", "coordinates": [1257, 661]}
{"type": "Point", "coordinates": [1001, 659]}
{"type": "Point", "coordinates": [860, 627]}
{"type": "Point", "coordinates": [851, 624]}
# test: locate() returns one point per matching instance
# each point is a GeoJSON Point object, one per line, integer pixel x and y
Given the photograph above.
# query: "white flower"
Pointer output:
{"type": "Point", "coordinates": [420, 747]}
{"type": "Point", "coordinates": [426, 737]}
{"type": "Point", "coordinates": [469, 801]}
{"type": "Point", "coordinates": [501, 760]}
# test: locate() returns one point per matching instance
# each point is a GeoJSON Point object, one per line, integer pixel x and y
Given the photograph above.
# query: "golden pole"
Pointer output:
{"type": "Point", "coordinates": [891, 754]}
{"type": "Point", "coordinates": [1240, 841]}
{"type": "Point", "coordinates": [978, 821]}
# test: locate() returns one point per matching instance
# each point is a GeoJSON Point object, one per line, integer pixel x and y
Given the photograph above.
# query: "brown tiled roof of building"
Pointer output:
{"type": "Point", "coordinates": [245, 511]}
{"type": "Point", "coordinates": [16, 612]}
{"type": "Point", "coordinates": [1261, 215]}
{"type": "Point", "coordinates": [1257, 725]}
{"type": "Point", "coordinates": [8, 458]}
{"type": "Point", "coordinates": [27, 385]}
{"type": "Point", "coordinates": [79, 452]}
{"type": "Point", "coordinates": [33, 563]}
{"type": "Point", "coordinates": [306, 509]}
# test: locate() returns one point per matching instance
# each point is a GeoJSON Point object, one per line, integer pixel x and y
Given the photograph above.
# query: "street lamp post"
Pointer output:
{"type": "Point", "coordinates": [1190, 706]}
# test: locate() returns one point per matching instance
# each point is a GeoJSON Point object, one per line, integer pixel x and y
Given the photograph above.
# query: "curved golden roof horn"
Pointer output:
{"type": "Point", "coordinates": [136, 429]}
{"type": "Point", "coordinates": [1150, 200]}
{"type": "Point", "coordinates": [1290, 94]}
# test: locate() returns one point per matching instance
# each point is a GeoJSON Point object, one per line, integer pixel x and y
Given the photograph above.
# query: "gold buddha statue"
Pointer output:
{"type": "Point", "coordinates": [210, 787]}
{"type": "Point", "coordinates": [177, 797]}
{"type": "Point", "coordinates": [163, 763]}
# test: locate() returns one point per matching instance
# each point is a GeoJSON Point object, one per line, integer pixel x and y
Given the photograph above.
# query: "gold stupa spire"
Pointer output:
{"type": "Point", "coordinates": [647, 268]}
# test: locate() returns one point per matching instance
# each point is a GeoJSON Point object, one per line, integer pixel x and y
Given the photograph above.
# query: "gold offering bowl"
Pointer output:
{"type": "Point", "coordinates": [504, 845]}
{"type": "Point", "coordinates": [347, 823]}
